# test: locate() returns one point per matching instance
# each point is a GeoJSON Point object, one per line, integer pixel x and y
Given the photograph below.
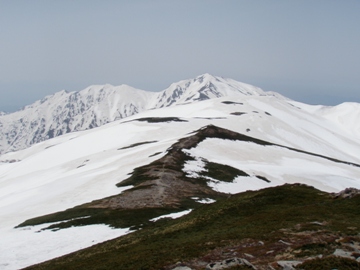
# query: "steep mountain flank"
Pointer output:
{"type": "Point", "coordinates": [97, 105]}
{"type": "Point", "coordinates": [268, 229]}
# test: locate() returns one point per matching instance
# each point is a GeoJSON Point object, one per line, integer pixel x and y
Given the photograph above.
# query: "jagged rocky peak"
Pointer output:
{"type": "Point", "coordinates": [65, 112]}
{"type": "Point", "coordinates": [206, 77]}
{"type": "Point", "coordinates": [202, 80]}
{"type": "Point", "coordinates": [225, 86]}
{"type": "Point", "coordinates": [204, 87]}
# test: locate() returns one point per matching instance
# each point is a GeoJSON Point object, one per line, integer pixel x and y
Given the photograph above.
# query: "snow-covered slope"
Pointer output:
{"type": "Point", "coordinates": [80, 167]}
{"type": "Point", "coordinates": [100, 104]}
{"type": "Point", "coordinates": [345, 115]}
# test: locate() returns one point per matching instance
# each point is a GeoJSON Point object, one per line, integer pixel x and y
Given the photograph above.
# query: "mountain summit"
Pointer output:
{"type": "Point", "coordinates": [97, 105]}
{"type": "Point", "coordinates": [204, 87]}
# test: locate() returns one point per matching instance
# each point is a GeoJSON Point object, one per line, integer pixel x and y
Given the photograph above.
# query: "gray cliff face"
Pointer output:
{"type": "Point", "coordinates": [95, 106]}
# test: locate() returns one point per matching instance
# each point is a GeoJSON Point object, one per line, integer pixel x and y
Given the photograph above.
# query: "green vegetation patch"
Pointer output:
{"type": "Point", "coordinates": [227, 224]}
{"type": "Point", "coordinates": [238, 113]}
{"type": "Point", "coordinates": [232, 102]}
{"type": "Point", "coordinates": [222, 172]}
{"type": "Point", "coordinates": [160, 119]}
{"type": "Point", "coordinates": [155, 154]}
{"type": "Point", "coordinates": [116, 218]}
{"type": "Point", "coordinates": [263, 178]}
{"type": "Point", "coordinates": [143, 174]}
{"type": "Point", "coordinates": [313, 249]}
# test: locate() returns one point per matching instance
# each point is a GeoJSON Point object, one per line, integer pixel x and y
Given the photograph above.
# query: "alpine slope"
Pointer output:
{"type": "Point", "coordinates": [77, 147]}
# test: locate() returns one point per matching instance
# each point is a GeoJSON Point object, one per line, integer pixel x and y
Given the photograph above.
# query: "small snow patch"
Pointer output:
{"type": "Point", "coordinates": [172, 215]}
{"type": "Point", "coordinates": [192, 168]}
{"type": "Point", "coordinates": [204, 200]}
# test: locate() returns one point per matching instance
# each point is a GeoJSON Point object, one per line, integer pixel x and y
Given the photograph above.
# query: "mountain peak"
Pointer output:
{"type": "Point", "coordinates": [205, 77]}
{"type": "Point", "coordinates": [64, 112]}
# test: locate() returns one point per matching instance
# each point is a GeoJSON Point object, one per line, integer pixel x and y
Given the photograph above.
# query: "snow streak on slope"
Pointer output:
{"type": "Point", "coordinates": [173, 215]}
{"type": "Point", "coordinates": [100, 104]}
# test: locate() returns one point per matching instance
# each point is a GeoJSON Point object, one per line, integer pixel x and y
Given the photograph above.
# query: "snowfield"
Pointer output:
{"type": "Point", "coordinates": [276, 164]}
{"type": "Point", "coordinates": [82, 166]}
{"type": "Point", "coordinates": [27, 246]}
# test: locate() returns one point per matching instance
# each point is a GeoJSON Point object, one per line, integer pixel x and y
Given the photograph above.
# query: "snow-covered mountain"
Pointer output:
{"type": "Point", "coordinates": [237, 138]}
{"type": "Point", "coordinates": [202, 88]}
{"type": "Point", "coordinates": [97, 105]}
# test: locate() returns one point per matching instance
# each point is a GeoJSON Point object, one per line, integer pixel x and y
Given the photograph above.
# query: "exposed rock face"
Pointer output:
{"type": "Point", "coordinates": [229, 263]}
{"type": "Point", "coordinates": [347, 193]}
{"type": "Point", "coordinates": [342, 253]}
{"type": "Point", "coordinates": [288, 265]}
{"type": "Point", "coordinates": [167, 191]}
{"type": "Point", "coordinates": [182, 268]}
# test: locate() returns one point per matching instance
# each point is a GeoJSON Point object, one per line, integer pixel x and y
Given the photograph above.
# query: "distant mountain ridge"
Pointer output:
{"type": "Point", "coordinates": [97, 105]}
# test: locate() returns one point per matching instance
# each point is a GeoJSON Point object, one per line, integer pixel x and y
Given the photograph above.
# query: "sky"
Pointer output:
{"type": "Point", "coordinates": [306, 50]}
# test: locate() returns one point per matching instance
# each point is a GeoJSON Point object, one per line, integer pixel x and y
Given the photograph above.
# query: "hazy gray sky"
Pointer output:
{"type": "Point", "coordinates": [304, 49]}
